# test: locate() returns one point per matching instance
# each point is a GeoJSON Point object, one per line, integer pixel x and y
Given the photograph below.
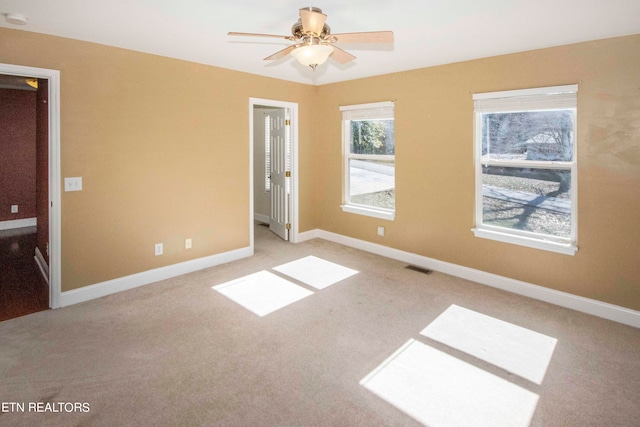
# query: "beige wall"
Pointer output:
{"type": "Point", "coordinates": [435, 167]}
{"type": "Point", "coordinates": [162, 146]}
{"type": "Point", "coordinates": [163, 149]}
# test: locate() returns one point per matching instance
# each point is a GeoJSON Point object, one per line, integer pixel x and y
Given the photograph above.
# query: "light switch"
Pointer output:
{"type": "Point", "coordinates": [73, 183]}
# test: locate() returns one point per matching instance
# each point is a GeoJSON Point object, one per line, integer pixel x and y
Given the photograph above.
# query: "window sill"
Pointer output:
{"type": "Point", "coordinates": [547, 245]}
{"type": "Point", "coordinates": [367, 211]}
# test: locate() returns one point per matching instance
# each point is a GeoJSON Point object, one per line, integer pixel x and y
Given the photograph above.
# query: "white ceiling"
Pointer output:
{"type": "Point", "coordinates": [427, 32]}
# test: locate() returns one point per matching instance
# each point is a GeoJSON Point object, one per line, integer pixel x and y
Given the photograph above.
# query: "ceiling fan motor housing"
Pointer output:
{"type": "Point", "coordinates": [299, 33]}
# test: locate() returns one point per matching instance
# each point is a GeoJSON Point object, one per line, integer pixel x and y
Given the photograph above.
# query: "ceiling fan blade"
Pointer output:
{"type": "Point", "coordinates": [232, 33]}
{"type": "Point", "coordinates": [282, 53]}
{"type": "Point", "coordinates": [366, 37]}
{"type": "Point", "coordinates": [312, 22]}
{"type": "Point", "coordinates": [341, 56]}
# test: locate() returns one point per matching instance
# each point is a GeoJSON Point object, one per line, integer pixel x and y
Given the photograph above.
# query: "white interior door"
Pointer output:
{"type": "Point", "coordinates": [279, 218]}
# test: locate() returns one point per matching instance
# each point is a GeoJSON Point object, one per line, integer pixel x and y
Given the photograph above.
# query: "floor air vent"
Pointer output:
{"type": "Point", "coordinates": [419, 269]}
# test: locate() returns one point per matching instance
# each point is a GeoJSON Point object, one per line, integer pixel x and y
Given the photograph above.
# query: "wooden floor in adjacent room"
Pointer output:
{"type": "Point", "coordinates": [22, 288]}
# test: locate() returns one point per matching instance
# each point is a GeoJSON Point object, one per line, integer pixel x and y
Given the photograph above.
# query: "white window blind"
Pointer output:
{"type": "Point", "coordinates": [558, 97]}
{"type": "Point", "coordinates": [375, 111]}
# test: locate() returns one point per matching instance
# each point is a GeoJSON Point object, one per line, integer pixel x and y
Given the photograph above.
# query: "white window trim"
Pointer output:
{"type": "Point", "coordinates": [487, 232]}
{"type": "Point", "coordinates": [516, 100]}
{"type": "Point", "coordinates": [376, 110]}
{"type": "Point", "coordinates": [380, 213]}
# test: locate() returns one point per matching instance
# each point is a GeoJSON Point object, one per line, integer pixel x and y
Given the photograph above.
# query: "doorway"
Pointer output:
{"type": "Point", "coordinates": [273, 142]}
{"type": "Point", "coordinates": [23, 205]}
{"type": "Point", "coordinates": [49, 192]}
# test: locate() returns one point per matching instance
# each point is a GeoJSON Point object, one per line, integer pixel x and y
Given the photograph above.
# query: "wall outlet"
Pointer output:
{"type": "Point", "coordinates": [381, 231]}
{"type": "Point", "coordinates": [187, 244]}
{"type": "Point", "coordinates": [73, 183]}
{"type": "Point", "coordinates": [14, 208]}
{"type": "Point", "coordinates": [159, 249]}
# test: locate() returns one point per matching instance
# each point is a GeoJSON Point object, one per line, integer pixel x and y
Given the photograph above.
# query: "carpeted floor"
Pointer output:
{"type": "Point", "coordinates": [178, 352]}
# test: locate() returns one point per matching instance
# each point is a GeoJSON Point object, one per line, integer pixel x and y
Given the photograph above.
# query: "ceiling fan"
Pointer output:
{"type": "Point", "coordinates": [314, 41]}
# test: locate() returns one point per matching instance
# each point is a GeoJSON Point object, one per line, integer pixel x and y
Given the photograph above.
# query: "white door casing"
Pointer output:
{"type": "Point", "coordinates": [292, 108]}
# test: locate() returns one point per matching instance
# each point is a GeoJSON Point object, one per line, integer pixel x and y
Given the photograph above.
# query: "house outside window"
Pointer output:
{"type": "Point", "coordinates": [369, 159]}
{"type": "Point", "coordinates": [526, 171]}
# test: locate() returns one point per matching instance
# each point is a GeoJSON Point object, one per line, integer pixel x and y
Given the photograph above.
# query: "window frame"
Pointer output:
{"type": "Point", "coordinates": [361, 111]}
{"type": "Point", "coordinates": [536, 99]}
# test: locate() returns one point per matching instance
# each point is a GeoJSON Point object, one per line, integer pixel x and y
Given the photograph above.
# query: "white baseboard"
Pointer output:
{"type": "Point", "coordinates": [18, 223]}
{"type": "Point", "coordinates": [42, 264]}
{"type": "Point", "coordinates": [146, 277]}
{"type": "Point", "coordinates": [261, 218]}
{"type": "Point", "coordinates": [312, 234]}
{"type": "Point", "coordinates": [563, 299]}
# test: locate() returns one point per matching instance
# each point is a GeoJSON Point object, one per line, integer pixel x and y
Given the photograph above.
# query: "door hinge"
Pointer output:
{"type": "Point", "coordinates": [287, 226]}
{"type": "Point", "coordinates": [287, 122]}
{"type": "Point", "coordinates": [287, 174]}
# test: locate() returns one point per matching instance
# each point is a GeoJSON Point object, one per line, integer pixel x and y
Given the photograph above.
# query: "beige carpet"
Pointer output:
{"type": "Point", "coordinates": [179, 353]}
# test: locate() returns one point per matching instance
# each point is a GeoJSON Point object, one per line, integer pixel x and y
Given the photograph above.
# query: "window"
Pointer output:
{"type": "Point", "coordinates": [526, 167]}
{"type": "Point", "coordinates": [369, 159]}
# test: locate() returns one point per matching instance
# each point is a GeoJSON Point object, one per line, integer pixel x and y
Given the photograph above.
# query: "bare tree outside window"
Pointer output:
{"type": "Point", "coordinates": [535, 199]}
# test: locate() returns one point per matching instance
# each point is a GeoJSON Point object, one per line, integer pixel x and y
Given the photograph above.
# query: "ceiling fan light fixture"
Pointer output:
{"type": "Point", "coordinates": [312, 55]}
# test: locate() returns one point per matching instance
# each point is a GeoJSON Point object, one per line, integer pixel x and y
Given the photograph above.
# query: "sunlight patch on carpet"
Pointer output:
{"type": "Point", "coordinates": [263, 292]}
{"type": "Point", "coordinates": [439, 390]}
{"type": "Point", "coordinates": [315, 271]}
{"type": "Point", "coordinates": [515, 349]}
